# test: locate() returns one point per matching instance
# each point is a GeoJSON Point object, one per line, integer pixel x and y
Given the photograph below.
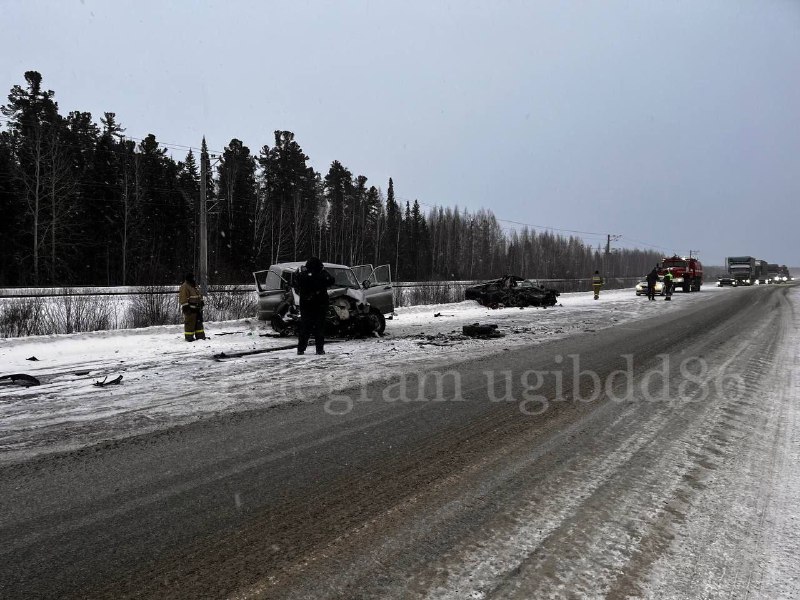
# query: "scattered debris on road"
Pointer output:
{"type": "Point", "coordinates": [440, 339]}
{"type": "Point", "coordinates": [482, 331]}
{"type": "Point", "coordinates": [22, 379]}
{"type": "Point", "coordinates": [223, 355]}
{"type": "Point", "coordinates": [116, 381]}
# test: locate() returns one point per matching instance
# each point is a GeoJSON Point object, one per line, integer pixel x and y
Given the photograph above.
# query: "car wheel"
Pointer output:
{"type": "Point", "coordinates": [377, 321]}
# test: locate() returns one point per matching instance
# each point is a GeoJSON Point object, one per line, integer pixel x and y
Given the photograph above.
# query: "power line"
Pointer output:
{"type": "Point", "coordinates": [548, 227]}
{"type": "Point", "coordinates": [594, 234]}
{"type": "Point", "coordinates": [646, 244]}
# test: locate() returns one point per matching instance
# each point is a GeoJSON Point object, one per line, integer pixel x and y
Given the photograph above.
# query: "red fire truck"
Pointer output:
{"type": "Point", "coordinates": [687, 272]}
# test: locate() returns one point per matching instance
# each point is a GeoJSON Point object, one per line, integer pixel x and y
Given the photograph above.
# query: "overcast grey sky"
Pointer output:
{"type": "Point", "coordinates": [670, 123]}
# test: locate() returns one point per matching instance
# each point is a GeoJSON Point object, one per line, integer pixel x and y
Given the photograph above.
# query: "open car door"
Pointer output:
{"type": "Point", "coordinates": [362, 273]}
{"type": "Point", "coordinates": [377, 286]}
{"type": "Point", "coordinates": [272, 290]}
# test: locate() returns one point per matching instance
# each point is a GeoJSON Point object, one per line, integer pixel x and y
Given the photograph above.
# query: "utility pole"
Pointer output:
{"type": "Point", "coordinates": [203, 259]}
{"type": "Point", "coordinates": [205, 163]}
{"type": "Point", "coordinates": [691, 252]}
{"type": "Point", "coordinates": [609, 238]}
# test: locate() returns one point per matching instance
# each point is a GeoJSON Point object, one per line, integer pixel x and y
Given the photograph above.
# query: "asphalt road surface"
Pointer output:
{"type": "Point", "coordinates": [648, 459]}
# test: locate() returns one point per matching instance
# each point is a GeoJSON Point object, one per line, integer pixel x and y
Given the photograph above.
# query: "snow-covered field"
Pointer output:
{"type": "Point", "coordinates": [168, 382]}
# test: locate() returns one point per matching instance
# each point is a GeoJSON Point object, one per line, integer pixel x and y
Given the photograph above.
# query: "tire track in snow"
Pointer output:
{"type": "Point", "coordinates": [636, 497]}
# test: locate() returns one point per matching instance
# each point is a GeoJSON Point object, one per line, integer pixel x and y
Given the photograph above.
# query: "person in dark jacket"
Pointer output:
{"type": "Point", "coordinates": [311, 284]}
{"type": "Point", "coordinates": [652, 279]}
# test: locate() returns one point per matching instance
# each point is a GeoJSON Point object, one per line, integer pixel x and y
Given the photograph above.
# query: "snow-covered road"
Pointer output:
{"type": "Point", "coordinates": [168, 382]}
{"type": "Point", "coordinates": [680, 481]}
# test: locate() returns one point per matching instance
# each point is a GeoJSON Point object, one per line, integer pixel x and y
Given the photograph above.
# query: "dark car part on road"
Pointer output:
{"type": "Point", "coordinates": [482, 331]}
{"type": "Point", "coordinates": [22, 379]}
{"type": "Point", "coordinates": [116, 381]}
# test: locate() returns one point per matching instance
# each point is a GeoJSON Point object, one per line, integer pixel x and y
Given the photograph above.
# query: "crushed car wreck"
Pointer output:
{"type": "Point", "coordinates": [357, 307]}
{"type": "Point", "coordinates": [512, 290]}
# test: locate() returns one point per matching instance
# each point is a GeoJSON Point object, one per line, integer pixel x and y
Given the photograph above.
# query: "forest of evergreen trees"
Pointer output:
{"type": "Point", "coordinates": [82, 204]}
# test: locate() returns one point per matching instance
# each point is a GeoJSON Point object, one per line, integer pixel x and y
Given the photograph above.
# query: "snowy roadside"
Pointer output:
{"type": "Point", "coordinates": [167, 382]}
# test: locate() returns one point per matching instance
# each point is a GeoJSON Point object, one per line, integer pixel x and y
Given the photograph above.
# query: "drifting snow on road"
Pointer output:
{"type": "Point", "coordinates": [681, 481]}
{"type": "Point", "coordinates": [693, 497]}
{"type": "Point", "coordinates": [167, 382]}
{"type": "Point", "coordinates": [692, 503]}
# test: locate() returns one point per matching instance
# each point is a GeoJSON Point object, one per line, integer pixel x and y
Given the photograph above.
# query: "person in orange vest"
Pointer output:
{"type": "Point", "coordinates": [597, 283]}
{"type": "Point", "coordinates": [191, 301]}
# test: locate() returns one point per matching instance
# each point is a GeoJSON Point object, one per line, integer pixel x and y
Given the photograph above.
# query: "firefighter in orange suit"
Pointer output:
{"type": "Point", "coordinates": [597, 283]}
{"type": "Point", "coordinates": [191, 301]}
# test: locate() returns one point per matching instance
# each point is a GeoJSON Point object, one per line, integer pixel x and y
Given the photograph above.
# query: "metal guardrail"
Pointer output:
{"type": "Point", "coordinates": [103, 291]}
{"type": "Point", "coordinates": [68, 291]}
{"type": "Point", "coordinates": [401, 284]}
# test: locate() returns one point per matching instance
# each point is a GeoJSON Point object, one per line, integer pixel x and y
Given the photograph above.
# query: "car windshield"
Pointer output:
{"type": "Point", "coordinates": [674, 263]}
{"type": "Point", "coordinates": [343, 277]}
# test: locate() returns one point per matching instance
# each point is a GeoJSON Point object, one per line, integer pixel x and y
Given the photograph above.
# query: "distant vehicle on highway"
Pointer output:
{"type": "Point", "coordinates": [727, 280]}
{"type": "Point", "coordinates": [761, 273]}
{"type": "Point", "coordinates": [743, 269]}
{"type": "Point", "coordinates": [773, 273]}
{"type": "Point", "coordinates": [687, 272]}
{"type": "Point", "coordinates": [641, 287]}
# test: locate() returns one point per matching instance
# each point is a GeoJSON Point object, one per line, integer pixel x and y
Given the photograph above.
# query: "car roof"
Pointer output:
{"type": "Point", "coordinates": [297, 264]}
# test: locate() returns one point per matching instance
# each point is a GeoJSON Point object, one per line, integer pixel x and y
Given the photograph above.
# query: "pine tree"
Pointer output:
{"type": "Point", "coordinates": [34, 124]}
{"type": "Point", "coordinates": [405, 249]}
{"type": "Point", "coordinates": [237, 201]}
{"type": "Point", "coordinates": [419, 252]}
{"type": "Point", "coordinates": [189, 186]}
{"type": "Point", "coordinates": [13, 214]}
{"type": "Point", "coordinates": [103, 207]}
{"type": "Point", "coordinates": [287, 215]}
{"type": "Point", "coordinates": [160, 219]}
{"type": "Point", "coordinates": [374, 226]}
{"type": "Point", "coordinates": [339, 194]}
{"type": "Point", "coordinates": [391, 241]}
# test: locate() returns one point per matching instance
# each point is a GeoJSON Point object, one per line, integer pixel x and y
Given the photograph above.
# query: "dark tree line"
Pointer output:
{"type": "Point", "coordinates": [82, 204]}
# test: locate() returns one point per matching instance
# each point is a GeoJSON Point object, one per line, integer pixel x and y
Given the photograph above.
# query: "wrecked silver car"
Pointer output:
{"type": "Point", "coordinates": [511, 290]}
{"type": "Point", "coordinates": [359, 298]}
